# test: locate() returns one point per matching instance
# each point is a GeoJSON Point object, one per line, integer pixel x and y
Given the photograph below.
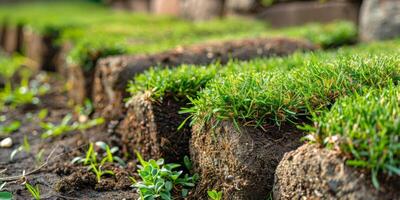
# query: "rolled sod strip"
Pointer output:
{"type": "Point", "coordinates": [3, 30]}
{"type": "Point", "coordinates": [313, 172]}
{"type": "Point", "coordinates": [41, 49]}
{"type": "Point", "coordinates": [113, 73]}
{"type": "Point", "coordinates": [13, 39]}
{"type": "Point", "coordinates": [151, 128]}
{"type": "Point", "coordinates": [241, 162]}
{"type": "Point", "coordinates": [262, 99]}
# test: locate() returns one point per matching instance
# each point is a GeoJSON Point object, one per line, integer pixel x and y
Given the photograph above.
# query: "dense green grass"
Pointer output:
{"type": "Point", "coordinates": [261, 99]}
{"type": "Point", "coordinates": [367, 127]}
{"type": "Point", "coordinates": [186, 81]}
{"type": "Point", "coordinates": [105, 32]}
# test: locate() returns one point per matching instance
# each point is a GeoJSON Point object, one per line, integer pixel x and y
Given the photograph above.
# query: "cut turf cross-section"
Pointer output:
{"type": "Point", "coordinates": [263, 102]}
{"type": "Point", "coordinates": [313, 172]}
{"type": "Point", "coordinates": [113, 74]}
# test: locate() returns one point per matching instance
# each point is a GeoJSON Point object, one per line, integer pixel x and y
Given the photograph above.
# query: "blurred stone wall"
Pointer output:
{"type": "Point", "coordinates": [277, 12]}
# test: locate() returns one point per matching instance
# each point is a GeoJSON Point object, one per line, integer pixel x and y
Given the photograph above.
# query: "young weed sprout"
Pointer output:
{"type": "Point", "coordinates": [34, 190]}
{"type": "Point", "coordinates": [52, 130]}
{"type": "Point", "coordinates": [214, 194]}
{"type": "Point", "coordinates": [162, 181]}
{"type": "Point", "coordinates": [95, 163]}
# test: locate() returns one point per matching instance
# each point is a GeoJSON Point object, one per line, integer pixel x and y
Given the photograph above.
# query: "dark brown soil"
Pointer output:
{"type": "Point", "coordinates": [151, 128]}
{"type": "Point", "coordinates": [113, 73]}
{"type": "Point", "coordinates": [58, 179]}
{"type": "Point", "coordinates": [312, 172]}
{"type": "Point", "coordinates": [240, 164]}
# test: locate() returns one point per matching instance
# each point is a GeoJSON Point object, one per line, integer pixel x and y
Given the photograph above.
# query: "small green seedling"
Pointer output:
{"type": "Point", "coordinates": [25, 147]}
{"type": "Point", "coordinates": [97, 169]}
{"type": "Point", "coordinates": [43, 114]}
{"type": "Point", "coordinates": [92, 156]}
{"type": "Point", "coordinates": [84, 110]}
{"type": "Point", "coordinates": [159, 180]}
{"type": "Point", "coordinates": [34, 190]}
{"type": "Point", "coordinates": [52, 130]}
{"type": "Point", "coordinates": [26, 93]}
{"type": "Point", "coordinates": [214, 194]}
{"type": "Point", "coordinates": [10, 128]}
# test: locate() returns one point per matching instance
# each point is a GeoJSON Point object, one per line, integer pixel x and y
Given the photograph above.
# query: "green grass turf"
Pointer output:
{"type": "Point", "coordinates": [367, 127]}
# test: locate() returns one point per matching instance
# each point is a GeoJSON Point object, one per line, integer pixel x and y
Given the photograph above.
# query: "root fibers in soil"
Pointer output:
{"type": "Point", "coordinates": [151, 128]}
{"type": "Point", "coordinates": [239, 163]}
{"type": "Point", "coordinates": [313, 172]}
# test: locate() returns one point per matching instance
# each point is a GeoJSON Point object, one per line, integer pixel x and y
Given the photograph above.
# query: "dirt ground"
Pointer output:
{"type": "Point", "coordinates": [54, 173]}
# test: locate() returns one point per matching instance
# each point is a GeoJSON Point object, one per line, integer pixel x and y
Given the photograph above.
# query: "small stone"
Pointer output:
{"type": "Point", "coordinates": [83, 118]}
{"type": "Point", "coordinates": [6, 143]}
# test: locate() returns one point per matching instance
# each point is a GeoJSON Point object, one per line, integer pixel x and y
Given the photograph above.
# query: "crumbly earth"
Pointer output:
{"type": "Point", "coordinates": [312, 172]}
{"type": "Point", "coordinates": [58, 178]}
{"type": "Point", "coordinates": [242, 163]}
{"type": "Point", "coordinates": [151, 127]}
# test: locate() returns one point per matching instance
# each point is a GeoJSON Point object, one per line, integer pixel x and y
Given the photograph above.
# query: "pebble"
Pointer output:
{"type": "Point", "coordinates": [6, 143]}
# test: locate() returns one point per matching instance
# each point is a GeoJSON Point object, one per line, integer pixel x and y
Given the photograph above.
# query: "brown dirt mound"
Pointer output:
{"type": "Point", "coordinates": [312, 172]}
{"type": "Point", "coordinates": [113, 73]}
{"type": "Point", "coordinates": [241, 164]}
{"type": "Point", "coordinates": [151, 128]}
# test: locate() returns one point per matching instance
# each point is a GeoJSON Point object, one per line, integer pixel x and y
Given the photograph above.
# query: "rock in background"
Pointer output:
{"type": "Point", "coordinates": [379, 19]}
{"type": "Point", "coordinates": [199, 10]}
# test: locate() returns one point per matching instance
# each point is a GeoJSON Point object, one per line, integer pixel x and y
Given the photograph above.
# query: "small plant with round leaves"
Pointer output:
{"type": "Point", "coordinates": [162, 181]}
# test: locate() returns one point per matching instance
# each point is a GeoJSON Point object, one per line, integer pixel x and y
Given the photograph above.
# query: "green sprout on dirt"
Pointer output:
{"type": "Point", "coordinates": [91, 156]}
{"type": "Point", "coordinates": [25, 147]}
{"type": "Point", "coordinates": [97, 169]}
{"type": "Point", "coordinates": [367, 128]}
{"type": "Point", "coordinates": [162, 181]}
{"type": "Point", "coordinates": [95, 163]}
{"type": "Point", "coordinates": [7, 129]}
{"type": "Point", "coordinates": [53, 130]}
{"type": "Point", "coordinates": [33, 190]}
{"type": "Point", "coordinates": [26, 93]}
{"type": "Point", "coordinates": [214, 194]}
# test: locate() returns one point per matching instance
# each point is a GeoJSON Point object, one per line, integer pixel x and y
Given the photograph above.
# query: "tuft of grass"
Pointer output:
{"type": "Point", "coordinates": [186, 80]}
{"type": "Point", "coordinates": [366, 127]}
{"type": "Point", "coordinates": [181, 82]}
{"type": "Point", "coordinates": [261, 98]}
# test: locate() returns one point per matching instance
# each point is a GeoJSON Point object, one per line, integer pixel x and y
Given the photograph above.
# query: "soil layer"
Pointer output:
{"type": "Point", "coordinates": [242, 163]}
{"type": "Point", "coordinates": [151, 128]}
{"type": "Point", "coordinates": [312, 172]}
